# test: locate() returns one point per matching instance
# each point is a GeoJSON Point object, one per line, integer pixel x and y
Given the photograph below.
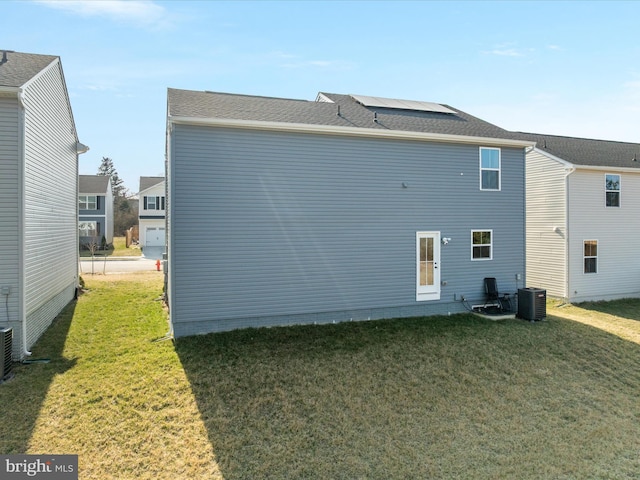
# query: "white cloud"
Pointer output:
{"type": "Point", "coordinates": [505, 52]}
{"type": "Point", "coordinates": [138, 12]}
{"type": "Point", "coordinates": [510, 49]}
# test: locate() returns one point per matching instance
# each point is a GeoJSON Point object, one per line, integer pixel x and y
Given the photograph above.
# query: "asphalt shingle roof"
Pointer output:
{"type": "Point", "coordinates": [96, 184]}
{"type": "Point", "coordinates": [148, 182]}
{"type": "Point", "coordinates": [22, 67]}
{"type": "Point", "coordinates": [214, 105]}
{"type": "Point", "coordinates": [587, 152]}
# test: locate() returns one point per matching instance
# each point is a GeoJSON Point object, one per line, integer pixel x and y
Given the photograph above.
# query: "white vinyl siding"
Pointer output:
{"type": "Point", "coordinates": [153, 201]}
{"type": "Point", "coordinates": [546, 220]}
{"type": "Point", "coordinates": [617, 231]}
{"type": "Point", "coordinates": [50, 200]}
{"type": "Point", "coordinates": [150, 217]}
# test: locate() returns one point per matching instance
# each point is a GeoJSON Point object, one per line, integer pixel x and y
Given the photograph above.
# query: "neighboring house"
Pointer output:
{"type": "Point", "coordinates": [95, 210]}
{"type": "Point", "coordinates": [583, 205]}
{"type": "Point", "coordinates": [151, 217]}
{"type": "Point", "coordinates": [287, 211]}
{"type": "Point", "coordinates": [38, 196]}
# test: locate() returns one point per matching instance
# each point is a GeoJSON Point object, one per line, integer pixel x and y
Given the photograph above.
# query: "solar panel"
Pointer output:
{"type": "Point", "coordinates": [401, 104]}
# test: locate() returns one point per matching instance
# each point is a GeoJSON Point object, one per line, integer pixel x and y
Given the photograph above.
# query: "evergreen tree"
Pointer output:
{"type": "Point", "coordinates": [107, 168]}
{"type": "Point", "coordinates": [124, 216]}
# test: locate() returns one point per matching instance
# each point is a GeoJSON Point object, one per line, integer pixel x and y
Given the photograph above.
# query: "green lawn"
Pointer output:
{"type": "Point", "coordinates": [440, 397]}
{"type": "Point", "coordinates": [118, 249]}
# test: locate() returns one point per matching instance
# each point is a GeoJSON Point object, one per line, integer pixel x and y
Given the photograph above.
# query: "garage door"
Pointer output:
{"type": "Point", "coordinates": [154, 237]}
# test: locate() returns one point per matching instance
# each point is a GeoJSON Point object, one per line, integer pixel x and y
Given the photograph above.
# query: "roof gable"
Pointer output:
{"type": "Point", "coordinates": [19, 68]}
{"type": "Point", "coordinates": [95, 184]}
{"type": "Point", "coordinates": [148, 182]}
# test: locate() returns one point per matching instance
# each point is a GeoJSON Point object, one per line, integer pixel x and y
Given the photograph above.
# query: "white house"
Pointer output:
{"type": "Point", "coordinates": [38, 196]}
{"type": "Point", "coordinates": [583, 211]}
{"type": "Point", "coordinates": [151, 216]}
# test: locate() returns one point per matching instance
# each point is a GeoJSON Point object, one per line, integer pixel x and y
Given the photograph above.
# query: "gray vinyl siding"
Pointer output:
{"type": "Point", "coordinates": [51, 201]}
{"type": "Point", "coordinates": [615, 228]}
{"type": "Point", "coordinates": [271, 228]}
{"type": "Point", "coordinates": [10, 211]}
{"type": "Point", "coordinates": [546, 224]}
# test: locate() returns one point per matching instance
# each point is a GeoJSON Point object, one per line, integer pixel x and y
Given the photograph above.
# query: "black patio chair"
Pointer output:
{"type": "Point", "coordinates": [494, 298]}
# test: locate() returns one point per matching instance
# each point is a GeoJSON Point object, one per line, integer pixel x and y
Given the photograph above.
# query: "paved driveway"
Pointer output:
{"type": "Point", "coordinates": [154, 253]}
{"type": "Point", "coordinates": [117, 265]}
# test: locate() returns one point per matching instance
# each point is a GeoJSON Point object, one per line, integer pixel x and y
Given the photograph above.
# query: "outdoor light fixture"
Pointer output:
{"type": "Point", "coordinates": [445, 240]}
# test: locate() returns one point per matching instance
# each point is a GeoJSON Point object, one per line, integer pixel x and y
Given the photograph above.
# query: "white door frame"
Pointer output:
{"type": "Point", "coordinates": [427, 266]}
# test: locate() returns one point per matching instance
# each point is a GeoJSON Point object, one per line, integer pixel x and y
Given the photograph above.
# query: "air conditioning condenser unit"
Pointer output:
{"type": "Point", "coordinates": [532, 304]}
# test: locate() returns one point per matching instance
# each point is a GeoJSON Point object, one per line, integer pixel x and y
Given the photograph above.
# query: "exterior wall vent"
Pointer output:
{"type": "Point", "coordinates": [6, 343]}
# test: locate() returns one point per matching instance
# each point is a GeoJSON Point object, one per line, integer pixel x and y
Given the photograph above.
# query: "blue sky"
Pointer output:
{"type": "Point", "coordinates": [565, 68]}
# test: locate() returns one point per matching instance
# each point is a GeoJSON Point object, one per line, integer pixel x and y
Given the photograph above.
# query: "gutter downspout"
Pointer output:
{"type": "Point", "coordinates": [22, 154]}
{"type": "Point", "coordinates": [568, 171]}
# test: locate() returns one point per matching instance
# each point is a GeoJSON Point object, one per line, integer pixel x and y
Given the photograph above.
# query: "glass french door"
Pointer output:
{"type": "Point", "coordinates": [427, 266]}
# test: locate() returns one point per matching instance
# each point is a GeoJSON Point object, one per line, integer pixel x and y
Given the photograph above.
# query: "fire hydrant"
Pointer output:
{"type": "Point", "coordinates": [158, 265]}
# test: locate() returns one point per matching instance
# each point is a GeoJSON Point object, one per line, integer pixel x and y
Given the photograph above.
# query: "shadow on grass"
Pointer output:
{"type": "Point", "coordinates": [438, 397]}
{"type": "Point", "coordinates": [23, 396]}
{"type": "Point", "coordinates": [626, 307]}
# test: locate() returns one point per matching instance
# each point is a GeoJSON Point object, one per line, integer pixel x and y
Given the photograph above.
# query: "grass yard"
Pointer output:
{"type": "Point", "coordinates": [119, 249]}
{"type": "Point", "coordinates": [440, 397]}
{"type": "Point", "coordinates": [114, 392]}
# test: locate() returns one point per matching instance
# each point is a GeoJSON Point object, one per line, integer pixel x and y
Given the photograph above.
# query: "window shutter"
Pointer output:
{"type": "Point", "coordinates": [97, 202]}
{"type": "Point", "coordinates": [145, 202]}
{"type": "Point", "coordinates": [157, 203]}
{"type": "Point", "coordinates": [162, 203]}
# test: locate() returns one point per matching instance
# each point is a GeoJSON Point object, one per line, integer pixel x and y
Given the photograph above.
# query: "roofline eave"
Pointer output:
{"type": "Point", "coordinates": [348, 131]}
{"type": "Point", "coordinates": [10, 90]}
{"type": "Point", "coordinates": [144, 190]}
{"type": "Point", "coordinates": [608, 168]}
{"type": "Point", "coordinates": [577, 166]}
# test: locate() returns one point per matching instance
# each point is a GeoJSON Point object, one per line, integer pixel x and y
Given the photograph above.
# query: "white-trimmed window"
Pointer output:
{"type": "Point", "coordinates": [154, 203]}
{"type": "Point", "coordinates": [481, 244]}
{"type": "Point", "coordinates": [88, 202]}
{"type": "Point", "coordinates": [590, 256]}
{"type": "Point", "coordinates": [88, 229]}
{"type": "Point", "coordinates": [612, 190]}
{"type": "Point", "coordinates": [490, 168]}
